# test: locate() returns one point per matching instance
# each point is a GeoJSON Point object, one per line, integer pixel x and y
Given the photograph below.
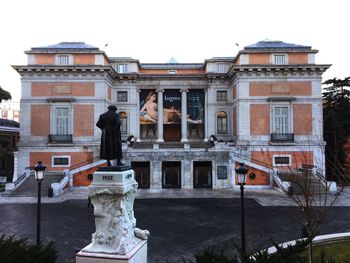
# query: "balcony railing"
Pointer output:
{"type": "Point", "coordinates": [282, 137]}
{"type": "Point", "coordinates": [60, 138]}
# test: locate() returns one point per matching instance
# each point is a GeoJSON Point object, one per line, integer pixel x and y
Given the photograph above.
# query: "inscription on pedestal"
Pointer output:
{"type": "Point", "coordinates": [118, 178]}
{"type": "Point", "coordinates": [112, 194]}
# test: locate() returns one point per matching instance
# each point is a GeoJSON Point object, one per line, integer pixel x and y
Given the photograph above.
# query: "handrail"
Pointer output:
{"type": "Point", "coordinates": [21, 178]}
{"type": "Point", "coordinates": [59, 187]}
{"type": "Point", "coordinates": [76, 165]}
{"type": "Point", "coordinates": [283, 185]}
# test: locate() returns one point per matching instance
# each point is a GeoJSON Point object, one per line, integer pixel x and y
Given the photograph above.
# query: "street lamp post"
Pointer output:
{"type": "Point", "coordinates": [39, 170]}
{"type": "Point", "coordinates": [241, 172]}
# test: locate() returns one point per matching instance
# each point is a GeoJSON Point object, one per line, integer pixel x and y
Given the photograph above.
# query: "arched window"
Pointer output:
{"type": "Point", "coordinates": [221, 122]}
{"type": "Point", "coordinates": [124, 119]}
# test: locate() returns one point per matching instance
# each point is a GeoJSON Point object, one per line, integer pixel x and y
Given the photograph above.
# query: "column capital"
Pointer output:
{"type": "Point", "coordinates": [159, 90]}
{"type": "Point", "coordinates": [184, 89]}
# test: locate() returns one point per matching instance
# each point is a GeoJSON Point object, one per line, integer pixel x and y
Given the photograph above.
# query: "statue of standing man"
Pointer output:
{"type": "Point", "coordinates": [111, 143]}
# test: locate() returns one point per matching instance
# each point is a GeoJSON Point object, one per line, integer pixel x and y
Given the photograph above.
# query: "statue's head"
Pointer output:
{"type": "Point", "coordinates": [112, 107]}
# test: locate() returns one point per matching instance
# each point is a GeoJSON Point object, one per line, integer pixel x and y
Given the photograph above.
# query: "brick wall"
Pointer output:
{"type": "Point", "coordinates": [83, 59]}
{"type": "Point", "coordinates": [297, 158]}
{"type": "Point", "coordinates": [298, 58]}
{"type": "Point", "coordinates": [83, 120]}
{"type": "Point", "coordinates": [261, 177]}
{"type": "Point", "coordinates": [259, 59]}
{"type": "Point", "coordinates": [302, 119]}
{"type": "Point", "coordinates": [45, 59]}
{"type": "Point", "coordinates": [259, 119]}
{"type": "Point", "coordinates": [81, 178]}
{"type": "Point", "coordinates": [295, 88]}
{"type": "Point", "coordinates": [46, 157]}
{"type": "Point", "coordinates": [40, 120]}
{"type": "Point", "coordinates": [63, 89]}
{"type": "Point", "coordinates": [234, 121]}
{"type": "Point", "coordinates": [166, 71]}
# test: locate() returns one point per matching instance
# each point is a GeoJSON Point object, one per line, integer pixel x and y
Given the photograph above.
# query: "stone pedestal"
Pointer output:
{"type": "Point", "coordinates": [137, 255]}
{"type": "Point", "coordinates": [117, 239]}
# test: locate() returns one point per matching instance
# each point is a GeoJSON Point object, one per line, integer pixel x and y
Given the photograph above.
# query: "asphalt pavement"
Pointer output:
{"type": "Point", "coordinates": [180, 227]}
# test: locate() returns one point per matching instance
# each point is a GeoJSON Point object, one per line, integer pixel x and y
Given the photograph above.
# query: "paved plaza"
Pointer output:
{"type": "Point", "coordinates": [179, 227]}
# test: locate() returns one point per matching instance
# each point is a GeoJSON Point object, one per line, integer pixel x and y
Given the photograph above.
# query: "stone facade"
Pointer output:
{"type": "Point", "coordinates": [263, 107]}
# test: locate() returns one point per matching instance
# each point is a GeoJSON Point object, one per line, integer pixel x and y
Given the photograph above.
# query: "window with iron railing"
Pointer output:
{"type": "Point", "coordinates": [281, 130]}
{"type": "Point", "coordinates": [221, 122]}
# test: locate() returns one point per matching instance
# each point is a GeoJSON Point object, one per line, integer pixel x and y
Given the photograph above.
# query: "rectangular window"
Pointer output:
{"type": "Point", "coordinates": [122, 68]}
{"type": "Point", "coordinates": [63, 60]}
{"type": "Point", "coordinates": [221, 119]}
{"type": "Point", "coordinates": [124, 122]}
{"type": "Point", "coordinates": [122, 96]}
{"type": "Point", "coordinates": [62, 121]}
{"type": "Point", "coordinates": [279, 59]}
{"type": "Point", "coordinates": [222, 171]}
{"type": "Point", "coordinates": [281, 120]}
{"type": "Point", "coordinates": [221, 95]}
{"type": "Point", "coordinates": [281, 160]}
{"type": "Point", "coordinates": [60, 161]}
{"type": "Point", "coordinates": [221, 68]}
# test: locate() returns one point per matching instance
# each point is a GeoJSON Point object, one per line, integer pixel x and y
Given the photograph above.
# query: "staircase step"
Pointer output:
{"type": "Point", "coordinates": [30, 186]}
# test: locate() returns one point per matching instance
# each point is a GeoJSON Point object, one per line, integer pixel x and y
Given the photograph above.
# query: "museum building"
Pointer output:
{"type": "Point", "coordinates": [184, 125]}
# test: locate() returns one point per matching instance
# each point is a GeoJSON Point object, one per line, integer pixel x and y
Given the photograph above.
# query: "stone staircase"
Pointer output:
{"type": "Point", "coordinates": [171, 145]}
{"type": "Point", "coordinates": [304, 181]}
{"type": "Point", "coordinates": [30, 186]}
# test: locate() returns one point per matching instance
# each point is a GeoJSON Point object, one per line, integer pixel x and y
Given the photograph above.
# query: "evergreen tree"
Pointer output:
{"type": "Point", "coordinates": [4, 95]}
{"type": "Point", "coordinates": [336, 124]}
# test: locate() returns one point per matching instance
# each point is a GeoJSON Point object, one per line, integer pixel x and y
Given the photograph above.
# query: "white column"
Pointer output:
{"type": "Point", "coordinates": [160, 115]}
{"type": "Point", "coordinates": [206, 115]}
{"type": "Point", "coordinates": [15, 169]}
{"type": "Point", "coordinates": [137, 133]}
{"type": "Point", "coordinates": [184, 115]}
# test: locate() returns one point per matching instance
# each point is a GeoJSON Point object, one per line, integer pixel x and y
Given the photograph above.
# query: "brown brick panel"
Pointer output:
{"type": "Point", "coordinates": [234, 121]}
{"type": "Point", "coordinates": [264, 158]}
{"type": "Point", "coordinates": [82, 158]}
{"type": "Point", "coordinates": [109, 93]}
{"type": "Point", "coordinates": [261, 177]}
{"type": "Point", "coordinates": [40, 120]}
{"type": "Point", "coordinates": [259, 119]}
{"type": "Point", "coordinates": [45, 59]}
{"type": "Point", "coordinates": [295, 88]}
{"type": "Point", "coordinates": [260, 59]}
{"type": "Point", "coordinates": [166, 71]}
{"type": "Point", "coordinates": [83, 120]}
{"type": "Point", "coordinates": [84, 59]}
{"type": "Point", "coordinates": [81, 178]}
{"type": "Point", "coordinates": [298, 58]}
{"type": "Point", "coordinates": [234, 93]}
{"type": "Point", "coordinates": [62, 89]}
{"type": "Point", "coordinates": [302, 119]}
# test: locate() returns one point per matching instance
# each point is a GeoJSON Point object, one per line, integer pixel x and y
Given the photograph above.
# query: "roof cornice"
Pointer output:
{"type": "Point", "coordinates": [56, 68]}
{"type": "Point", "coordinates": [278, 68]}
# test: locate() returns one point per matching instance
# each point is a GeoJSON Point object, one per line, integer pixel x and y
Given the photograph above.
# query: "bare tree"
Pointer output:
{"type": "Point", "coordinates": [307, 185]}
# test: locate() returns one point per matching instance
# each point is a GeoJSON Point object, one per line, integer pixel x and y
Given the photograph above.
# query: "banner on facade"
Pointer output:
{"type": "Point", "coordinates": [148, 107]}
{"type": "Point", "coordinates": [195, 106]}
{"type": "Point", "coordinates": [172, 106]}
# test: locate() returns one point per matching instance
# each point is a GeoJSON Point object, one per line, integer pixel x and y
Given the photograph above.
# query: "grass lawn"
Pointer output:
{"type": "Point", "coordinates": [340, 251]}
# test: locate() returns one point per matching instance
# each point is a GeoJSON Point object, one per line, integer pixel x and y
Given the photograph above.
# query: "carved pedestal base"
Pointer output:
{"type": "Point", "coordinates": [137, 255]}
{"type": "Point", "coordinates": [112, 194]}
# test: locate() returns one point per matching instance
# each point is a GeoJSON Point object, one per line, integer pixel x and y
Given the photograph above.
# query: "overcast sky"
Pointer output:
{"type": "Point", "coordinates": [156, 30]}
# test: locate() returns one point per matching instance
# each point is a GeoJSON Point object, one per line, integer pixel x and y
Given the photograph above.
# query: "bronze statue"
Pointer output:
{"type": "Point", "coordinates": [111, 143]}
